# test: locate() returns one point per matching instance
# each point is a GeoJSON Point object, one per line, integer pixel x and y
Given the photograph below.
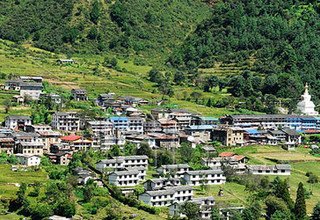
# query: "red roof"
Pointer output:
{"type": "Point", "coordinates": [226, 154]}
{"type": "Point", "coordinates": [238, 157]}
{"type": "Point", "coordinates": [71, 137]}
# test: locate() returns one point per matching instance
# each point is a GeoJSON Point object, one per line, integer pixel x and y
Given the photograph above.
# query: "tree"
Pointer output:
{"type": "Point", "coordinates": [21, 194]}
{"type": "Point", "coordinates": [115, 151]}
{"type": "Point", "coordinates": [276, 204]}
{"type": "Point", "coordinates": [215, 214]}
{"type": "Point", "coordinates": [145, 149]}
{"type": "Point", "coordinates": [280, 189]}
{"type": "Point", "coordinates": [7, 105]}
{"type": "Point", "coordinates": [191, 210]}
{"type": "Point", "coordinates": [185, 152]}
{"type": "Point", "coordinates": [155, 75]}
{"type": "Point", "coordinates": [95, 12]}
{"type": "Point", "coordinates": [316, 212]}
{"type": "Point", "coordinates": [66, 208]}
{"type": "Point", "coordinates": [300, 205]}
{"type": "Point", "coordinates": [253, 212]}
{"type": "Point", "coordinates": [279, 215]}
{"type": "Point", "coordinates": [129, 149]}
{"type": "Point", "coordinates": [196, 96]}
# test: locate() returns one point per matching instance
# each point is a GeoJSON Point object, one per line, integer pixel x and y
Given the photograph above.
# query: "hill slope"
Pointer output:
{"type": "Point", "coordinates": [147, 27]}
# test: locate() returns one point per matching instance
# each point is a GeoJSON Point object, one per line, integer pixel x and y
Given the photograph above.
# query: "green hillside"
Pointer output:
{"type": "Point", "coordinates": [149, 29]}
{"type": "Point", "coordinates": [278, 40]}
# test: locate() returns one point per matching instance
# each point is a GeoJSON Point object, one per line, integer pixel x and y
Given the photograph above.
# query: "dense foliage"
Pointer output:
{"type": "Point", "coordinates": [279, 39]}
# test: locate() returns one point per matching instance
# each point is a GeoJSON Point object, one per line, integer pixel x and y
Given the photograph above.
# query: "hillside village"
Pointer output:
{"type": "Point", "coordinates": [171, 184]}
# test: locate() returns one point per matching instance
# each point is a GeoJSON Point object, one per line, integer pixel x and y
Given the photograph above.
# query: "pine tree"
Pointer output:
{"type": "Point", "coordinates": [316, 212]}
{"type": "Point", "coordinates": [300, 205]}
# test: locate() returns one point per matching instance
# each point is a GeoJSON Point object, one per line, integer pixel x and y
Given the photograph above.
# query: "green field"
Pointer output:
{"type": "Point", "coordinates": [307, 163]}
{"type": "Point", "coordinates": [131, 81]}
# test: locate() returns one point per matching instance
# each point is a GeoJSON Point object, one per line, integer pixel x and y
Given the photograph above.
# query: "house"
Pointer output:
{"type": "Point", "coordinates": [12, 85]}
{"type": "Point", "coordinates": [28, 160]}
{"type": "Point", "coordinates": [165, 140]}
{"type": "Point", "coordinates": [159, 183]}
{"type": "Point", "coordinates": [120, 123]}
{"type": "Point", "coordinates": [17, 122]}
{"type": "Point", "coordinates": [137, 139]}
{"type": "Point", "coordinates": [173, 170]}
{"type": "Point", "coordinates": [205, 205]}
{"type": "Point", "coordinates": [168, 126]}
{"type": "Point", "coordinates": [209, 150]}
{"type": "Point", "coordinates": [37, 79]}
{"type": "Point", "coordinates": [65, 61]}
{"type": "Point", "coordinates": [60, 158]}
{"type": "Point", "coordinates": [124, 178]}
{"type": "Point", "coordinates": [77, 142]}
{"type": "Point", "coordinates": [66, 121]}
{"type": "Point", "coordinates": [29, 148]}
{"type": "Point", "coordinates": [182, 117]}
{"type": "Point", "coordinates": [201, 132]}
{"type": "Point", "coordinates": [49, 137]}
{"type": "Point", "coordinates": [6, 144]}
{"type": "Point", "coordinates": [204, 177]}
{"type": "Point", "coordinates": [292, 136]}
{"type": "Point", "coordinates": [135, 124]}
{"type": "Point", "coordinates": [135, 162]}
{"type": "Point", "coordinates": [167, 196]}
{"type": "Point", "coordinates": [279, 134]}
{"type": "Point", "coordinates": [212, 162]}
{"type": "Point", "coordinates": [51, 98]}
{"type": "Point", "coordinates": [228, 136]}
{"type": "Point", "coordinates": [83, 175]}
{"type": "Point", "coordinates": [278, 169]}
{"type": "Point", "coordinates": [201, 120]}
{"type": "Point", "coordinates": [31, 90]}
{"type": "Point", "coordinates": [79, 94]}
{"type": "Point", "coordinates": [152, 126]}
{"type": "Point", "coordinates": [102, 133]}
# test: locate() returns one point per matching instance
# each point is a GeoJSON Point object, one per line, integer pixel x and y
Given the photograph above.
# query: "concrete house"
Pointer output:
{"type": "Point", "coordinates": [201, 132]}
{"type": "Point", "coordinates": [228, 136]}
{"type": "Point", "coordinates": [79, 94]}
{"type": "Point", "coordinates": [66, 121]}
{"type": "Point", "coordinates": [206, 177]}
{"type": "Point", "coordinates": [17, 122]}
{"type": "Point", "coordinates": [278, 169]}
{"type": "Point", "coordinates": [77, 142]}
{"type": "Point", "coordinates": [28, 160]}
{"type": "Point", "coordinates": [32, 90]}
{"type": "Point", "coordinates": [124, 178]}
{"type": "Point", "coordinates": [120, 123]}
{"type": "Point", "coordinates": [205, 204]}
{"type": "Point", "coordinates": [6, 144]}
{"type": "Point", "coordinates": [167, 196]}
{"type": "Point", "coordinates": [136, 124]}
{"type": "Point", "coordinates": [214, 162]}
{"type": "Point", "coordinates": [173, 170]}
{"type": "Point", "coordinates": [159, 183]}
{"type": "Point", "coordinates": [30, 148]}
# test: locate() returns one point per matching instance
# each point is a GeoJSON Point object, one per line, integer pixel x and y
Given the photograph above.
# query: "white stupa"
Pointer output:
{"type": "Point", "coordinates": [306, 106]}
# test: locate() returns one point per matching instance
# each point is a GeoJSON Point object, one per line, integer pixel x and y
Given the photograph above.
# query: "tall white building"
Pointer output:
{"type": "Point", "coordinates": [306, 106]}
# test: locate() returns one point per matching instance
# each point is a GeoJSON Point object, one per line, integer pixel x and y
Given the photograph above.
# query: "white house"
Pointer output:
{"type": "Point", "coordinates": [205, 204]}
{"type": "Point", "coordinates": [31, 89]}
{"type": "Point", "coordinates": [159, 183]}
{"type": "Point", "coordinates": [206, 177]}
{"type": "Point", "coordinates": [174, 170]}
{"type": "Point", "coordinates": [167, 196]}
{"type": "Point", "coordinates": [124, 178]}
{"type": "Point", "coordinates": [278, 169]}
{"type": "Point", "coordinates": [17, 121]}
{"type": "Point", "coordinates": [214, 162]}
{"type": "Point", "coordinates": [28, 160]}
{"type": "Point", "coordinates": [66, 121]}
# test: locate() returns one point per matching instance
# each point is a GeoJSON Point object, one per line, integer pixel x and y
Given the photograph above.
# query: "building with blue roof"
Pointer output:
{"type": "Point", "coordinates": [120, 123]}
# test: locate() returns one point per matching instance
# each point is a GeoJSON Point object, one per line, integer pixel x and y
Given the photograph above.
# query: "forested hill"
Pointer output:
{"type": "Point", "coordinates": [282, 38]}
{"type": "Point", "coordinates": [148, 28]}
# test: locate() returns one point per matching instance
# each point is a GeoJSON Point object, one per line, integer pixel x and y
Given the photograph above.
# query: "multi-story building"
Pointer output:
{"type": "Point", "coordinates": [167, 196]}
{"type": "Point", "coordinates": [278, 169]}
{"type": "Point", "coordinates": [30, 148]}
{"type": "Point", "coordinates": [102, 133]}
{"type": "Point", "coordinates": [205, 206]}
{"type": "Point", "coordinates": [200, 132]}
{"type": "Point", "coordinates": [152, 126]}
{"type": "Point", "coordinates": [159, 183]}
{"type": "Point", "coordinates": [168, 126]}
{"type": "Point", "coordinates": [228, 136]}
{"type": "Point", "coordinates": [77, 143]}
{"type": "Point", "coordinates": [120, 123]}
{"type": "Point", "coordinates": [204, 177]}
{"type": "Point", "coordinates": [182, 117]}
{"type": "Point", "coordinates": [31, 90]}
{"type": "Point", "coordinates": [28, 160]}
{"type": "Point", "coordinates": [66, 121]}
{"type": "Point", "coordinates": [79, 94]}
{"type": "Point", "coordinates": [17, 122]}
{"type": "Point", "coordinates": [124, 178]}
{"type": "Point", "coordinates": [212, 162]}
{"type": "Point", "coordinates": [173, 170]}
{"type": "Point", "coordinates": [6, 144]}
{"type": "Point", "coordinates": [135, 124]}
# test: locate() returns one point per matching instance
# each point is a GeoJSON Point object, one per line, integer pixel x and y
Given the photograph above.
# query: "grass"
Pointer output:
{"type": "Point", "coordinates": [300, 160]}
{"type": "Point", "coordinates": [9, 178]}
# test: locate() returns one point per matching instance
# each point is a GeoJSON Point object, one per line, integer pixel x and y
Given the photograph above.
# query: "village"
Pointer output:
{"type": "Point", "coordinates": [162, 128]}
